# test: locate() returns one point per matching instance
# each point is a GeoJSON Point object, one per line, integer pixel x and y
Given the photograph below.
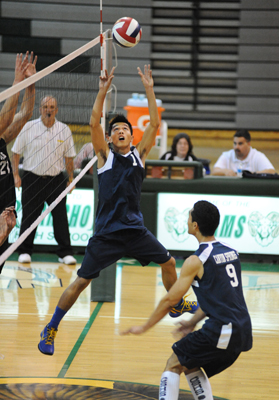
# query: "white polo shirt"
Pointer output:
{"type": "Point", "coordinates": [254, 162]}
{"type": "Point", "coordinates": [44, 148]}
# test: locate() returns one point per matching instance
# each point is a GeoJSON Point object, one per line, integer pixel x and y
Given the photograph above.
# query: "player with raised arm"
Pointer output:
{"type": "Point", "coordinates": [10, 125]}
{"type": "Point", "coordinates": [8, 110]}
{"type": "Point", "coordinates": [214, 271]}
{"type": "Point", "coordinates": [119, 227]}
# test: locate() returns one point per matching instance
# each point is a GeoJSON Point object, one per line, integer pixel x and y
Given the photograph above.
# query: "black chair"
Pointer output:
{"type": "Point", "coordinates": [205, 162]}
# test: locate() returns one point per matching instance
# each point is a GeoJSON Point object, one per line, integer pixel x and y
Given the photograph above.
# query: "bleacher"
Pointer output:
{"type": "Point", "coordinates": [194, 58]}
{"type": "Point", "coordinates": [215, 63]}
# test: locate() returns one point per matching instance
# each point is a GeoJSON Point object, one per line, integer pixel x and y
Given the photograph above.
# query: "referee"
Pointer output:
{"type": "Point", "coordinates": [47, 147]}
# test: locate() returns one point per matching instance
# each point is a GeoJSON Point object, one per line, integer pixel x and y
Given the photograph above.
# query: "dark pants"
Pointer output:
{"type": "Point", "coordinates": [3, 248]}
{"type": "Point", "coordinates": [36, 190]}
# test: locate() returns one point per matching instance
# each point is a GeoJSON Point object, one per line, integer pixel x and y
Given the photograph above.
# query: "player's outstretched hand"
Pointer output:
{"type": "Point", "coordinates": [9, 216]}
{"type": "Point", "coordinates": [135, 330]}
{"type": "Point", "coordinates": [146, 77]}
{"type": "Point", "coordinates": [183, 328]}
{"type": "Point", "coordinates": [106, 79]}
{"type": "Point", "coordinates": [21, 66]}
{"type": "Point", "coordinates": [7, 222]}
{"type": "Point", "coordinates": [31, 68]}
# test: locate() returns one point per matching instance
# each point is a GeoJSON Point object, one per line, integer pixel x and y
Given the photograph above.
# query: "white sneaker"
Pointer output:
{"type": "Point", "coordinates": [24, 258]}
{"type": "Point", "coordinates": [69, 260]}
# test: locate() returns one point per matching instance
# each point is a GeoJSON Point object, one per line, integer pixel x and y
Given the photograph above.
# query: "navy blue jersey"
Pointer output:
{"type": "Point", "coordinates": [7, 185]}
{"type": "Point", "coordinates": [120, 182]}
{"type": "Point", "coordinates": [220, 295]}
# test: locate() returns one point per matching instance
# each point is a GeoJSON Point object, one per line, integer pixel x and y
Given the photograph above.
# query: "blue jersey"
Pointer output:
{"type": "Point", "coordinates": [220, 295]}
{"type": "Point", "coordinates": [120, 182]}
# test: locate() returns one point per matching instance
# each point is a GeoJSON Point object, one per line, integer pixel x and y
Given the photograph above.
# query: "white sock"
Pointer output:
{"type": "Point", "coordinates": [199, 385]}
{"type": "Point", "coordinates": [169, 386]}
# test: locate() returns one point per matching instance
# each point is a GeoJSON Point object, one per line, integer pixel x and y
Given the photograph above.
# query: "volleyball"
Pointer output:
{"type": "Point", "coordinates": [126, 32]}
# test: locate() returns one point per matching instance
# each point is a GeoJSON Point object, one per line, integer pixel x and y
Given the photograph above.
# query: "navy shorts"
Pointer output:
{"type": "Point", "coordinates": [104, 250]}
{"type": "Point", "coordinates": [195, 350]}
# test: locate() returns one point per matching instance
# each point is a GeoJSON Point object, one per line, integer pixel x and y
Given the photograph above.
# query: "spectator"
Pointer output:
{"type": "Point", "coordinates": [10, 125]}
{"type": "Point", "coordinates": [181, 149]}
{"type": "Point", "coordinates": [44, 144]}
{"type": "Point", "coordinates": [242, 157]}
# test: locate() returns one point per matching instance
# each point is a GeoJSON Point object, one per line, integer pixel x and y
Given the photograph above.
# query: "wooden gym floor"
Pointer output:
{"type": "Point", "coordinates": [93, 361]}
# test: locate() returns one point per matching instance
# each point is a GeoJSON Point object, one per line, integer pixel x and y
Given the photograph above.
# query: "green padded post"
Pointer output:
{"type": "Point", "coordinates": [103, 287]}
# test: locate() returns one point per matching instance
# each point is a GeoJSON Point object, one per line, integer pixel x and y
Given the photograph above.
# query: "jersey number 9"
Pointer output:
{"type": "Point", "coordinates": [232, 274]}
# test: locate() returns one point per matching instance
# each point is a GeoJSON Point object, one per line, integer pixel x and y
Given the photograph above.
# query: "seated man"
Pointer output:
{"type": "Point", "coordinates": [242, 157]}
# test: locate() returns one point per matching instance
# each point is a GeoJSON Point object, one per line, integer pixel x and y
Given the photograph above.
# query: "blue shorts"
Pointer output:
{"type": "Point", "coordinates": [195, 350]}
{"type": "Point", "coordinates": [104, 250]}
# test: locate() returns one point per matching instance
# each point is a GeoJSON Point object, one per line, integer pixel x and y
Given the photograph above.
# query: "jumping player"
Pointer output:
{"type": "Point", "coordinates": [119, 227]}
{"type": "Point", "coordinates": [214, 271]}
{"type": "Point", "coordinates": [10, 126]}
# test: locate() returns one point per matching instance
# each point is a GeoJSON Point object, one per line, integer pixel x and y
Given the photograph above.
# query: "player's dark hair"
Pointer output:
{"type": "Point", "coordinates": [176, 140]}
{"type": "Point", "coordinates": [243, 133]}
{"type": "Point", "coordinates": [116, 119]}
{"type": "Point", "coordinates": [207, 217]}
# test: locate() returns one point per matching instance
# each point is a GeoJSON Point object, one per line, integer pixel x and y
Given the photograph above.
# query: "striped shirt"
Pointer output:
{"type": "Point", "coordinates": [44, 148]}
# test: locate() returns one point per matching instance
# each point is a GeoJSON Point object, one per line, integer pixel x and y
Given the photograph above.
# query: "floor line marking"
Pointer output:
{"type": "Point", "coordinates": [79, 342]}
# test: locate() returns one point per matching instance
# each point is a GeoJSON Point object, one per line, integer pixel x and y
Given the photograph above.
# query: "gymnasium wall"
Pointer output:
{"type": "Point", "coordinates": [55, 28]}
{"type": "Point", "coordinates": [258, 65]}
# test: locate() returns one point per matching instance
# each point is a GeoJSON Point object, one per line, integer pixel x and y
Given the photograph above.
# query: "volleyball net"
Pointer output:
{"type": "Point", "coordinates": [73, 81]}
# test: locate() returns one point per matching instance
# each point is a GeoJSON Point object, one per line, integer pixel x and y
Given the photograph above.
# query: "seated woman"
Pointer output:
{"type": "Point", "coordinates": [181, 149]}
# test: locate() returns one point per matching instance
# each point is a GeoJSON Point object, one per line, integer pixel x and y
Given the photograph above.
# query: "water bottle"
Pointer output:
{"type": "Point", "coordinates": [139, 100]}
{"type": "Point", "coordinates": [239, 170]}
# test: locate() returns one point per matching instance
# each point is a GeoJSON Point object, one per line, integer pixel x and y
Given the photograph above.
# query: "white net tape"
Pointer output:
{"type": "Point", "coordinates": [48, 70]}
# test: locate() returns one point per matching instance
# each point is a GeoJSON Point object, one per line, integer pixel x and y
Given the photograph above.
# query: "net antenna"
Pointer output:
{"type": "Point", "coordinates": [106, 64]}
{"type": "Point", "coordinates": [49, 80]}
{"type": "Point", "coordinates": [103, 62]}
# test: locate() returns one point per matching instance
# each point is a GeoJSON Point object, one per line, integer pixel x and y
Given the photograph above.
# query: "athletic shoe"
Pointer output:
{"type": "Point", "coordinates": [46, 344]}
{"type": "Point", "coordinates": [69, 260]}
{"type": "Point", "coordinates": [183, 307]}
{"type": "Point", "coordinates": [24, 258]}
